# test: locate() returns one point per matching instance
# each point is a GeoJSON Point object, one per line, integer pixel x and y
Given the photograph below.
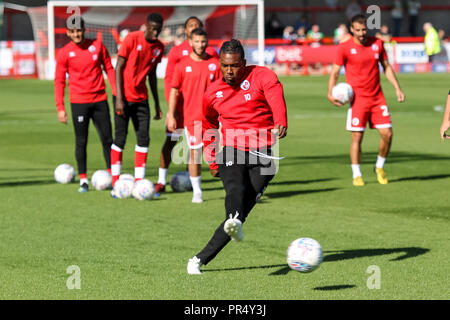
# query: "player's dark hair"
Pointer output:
{"type": "Point", "coordinates": [193, 18]}
{"type": "Point", "coordinates": [75, 22]}
{"type": "Point", "coordinates": [360, 18]}
{"type": "Point", "coordinates": [233, 46]}
{"type": "Point", "coordinates": [198, 32]}
{"type": "Point", "coordinates": [155, 17]}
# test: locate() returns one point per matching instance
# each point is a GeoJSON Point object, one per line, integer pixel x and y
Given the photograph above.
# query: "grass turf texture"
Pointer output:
{"type": "Point", "coordinates": [127, 249]}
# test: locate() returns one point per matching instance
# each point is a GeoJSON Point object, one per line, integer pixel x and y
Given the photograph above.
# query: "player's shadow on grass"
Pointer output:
{"type": "Point", "coordinates": [284, 194]}
{"type": "Point", "coordinates": [7, 184]}
{"type": "Point", "coordinates": [408, 252]}
{"type": "Point", "coordinates": [420, 178]}
{"type": "Point", "coordinates": [294, 182]}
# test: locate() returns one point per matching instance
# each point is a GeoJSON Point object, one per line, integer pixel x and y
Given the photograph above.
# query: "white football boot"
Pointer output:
{"type": "Point", "coordinates": [193, 266]}
{"type": "Point", "coordinates": [233, 227]}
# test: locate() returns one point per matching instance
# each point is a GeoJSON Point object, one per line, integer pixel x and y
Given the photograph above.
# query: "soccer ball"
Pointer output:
{"type": "Point", "coordinates": [304, 255]}
{"type": "Point", "coordinates": [64, 173]}
{"type": "Point", "coordinates": [143, 190]}
{"type": "Point", "coordinates": [123, 188]}
{"type": "Point", "coordinates": [180, 182]}
{"type": "Point", "coordinates": [343, 92]}
{"type": "Point", "coordinates": [101, 180]}
{"type": "Point", "coordinates": [126, 176]}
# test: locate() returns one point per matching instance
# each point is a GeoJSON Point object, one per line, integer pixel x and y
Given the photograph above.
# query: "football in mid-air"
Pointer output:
{"type": "Point", "coordinates": [143, 190]}
{"type": "Point", "coordinates": [304, 255]}
{"type": "Point", "coordinates": [180, 182]}
{"type": "Point", "coordinates": [123, 188]}
{"type": "Point", "coordinates": [64, 173]}
{"type": "Point", "coordinates": [343, 92]}
{"type": "Point", "coordinates": [101, 180]}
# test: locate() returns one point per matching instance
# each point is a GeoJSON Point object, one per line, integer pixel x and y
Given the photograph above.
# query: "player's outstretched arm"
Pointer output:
{"type": "Point", "coordinates": [390, 75]}
{"type": "Point", "coordinates": [154, 88]}
{"type": "Point", "coordinates": [446, 120]}
{"type": "Point", "coordinates": [334, 74]}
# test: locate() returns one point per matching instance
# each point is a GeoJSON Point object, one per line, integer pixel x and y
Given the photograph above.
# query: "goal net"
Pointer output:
{"type": "Point", "coordinates": [111, 20]}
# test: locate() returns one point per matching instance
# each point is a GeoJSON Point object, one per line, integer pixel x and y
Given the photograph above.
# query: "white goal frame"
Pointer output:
{"type": "Point", "coordinates": [152, 3]}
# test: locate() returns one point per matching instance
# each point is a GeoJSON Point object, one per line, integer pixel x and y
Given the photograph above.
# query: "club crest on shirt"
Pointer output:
{"type": "Point", "coordinates": [92, 48]}
{"type": "Point", "coordinates": [375, 47]}
{"type": "Point", "coordinates": [219, 94]}
{"type": "Point", "coordinates": [188, 69]}
{"type": "Point", "coordinates": [212, 67]}
{"type": "Point", "coordinates": [185, 52]}
{"type": "Point", "coordinates": [245, 85]}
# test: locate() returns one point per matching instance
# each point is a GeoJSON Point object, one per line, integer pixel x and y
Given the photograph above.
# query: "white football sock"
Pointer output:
{"type": "Point", "coordinates": [356, 171]}
{"type": "Point", "coordinates": [84, 180]}
{"type": "Point", "coordinates": [380, 162]}
{"type": "Point", "coordinates": [162, 176]}
{"type": "Point", "coordinates": [196, 184]}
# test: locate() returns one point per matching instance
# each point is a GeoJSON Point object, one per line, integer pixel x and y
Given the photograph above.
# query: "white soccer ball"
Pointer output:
{"type": "Point", "coordinates": [143, 190]}
{"type": "Point", "coordinates": [64, 173]}
{"type": "Point", "coordinates": [101, 180]}
{"type": "Point", "coordinates": [343, 92]}
{"type": "Point", "coordinates": [126, 176]}
{"type": "Point", "coordinates": [304, 255]}
{"type": "Point", "coordinates": [180, 182]}
{"type": "Point", "coordinates": [123, 188]}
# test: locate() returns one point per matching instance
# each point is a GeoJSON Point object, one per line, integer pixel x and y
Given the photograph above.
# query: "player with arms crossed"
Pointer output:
{"type": "Point", "coordinates": [360, 55]}
{"type": "Point", "coordinates": [192, 76]}
{"type": "Point", "coordinates": [138, 56]}
{"type": "Point", "coordinates": [82, 59]}
{"type": "Point", "coordinates": [250, 106]}
{"type": "Point", "coordinates": [176, 54]}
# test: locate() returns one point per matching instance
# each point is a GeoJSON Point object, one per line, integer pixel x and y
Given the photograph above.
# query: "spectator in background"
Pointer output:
{"type": "Point", "coordinates": [179, 36]}
{"type": "Point", "coordinates": [397, 17]}
{"type": "Point", "coordinates": [442, 56]}
{"type": "Point", "coordinates": [274, 27]}
{"type": "Point", "coordinates": [289, 34]}
{"type": "Point", "coordinates": [432, 42]}
{"type": "Point", "coordinates": [314, 35]}
{"type": "Point", "coordinates": [384, 34]}
{"type": "Point", "coordinates": [352, 10]}
{"type": "Point", "coordinates": [303, 22]}
{"type": "Point", "coordinates": [341, 34]}
{"type": "Point", "coordinates": [301, 33]}
{"type": "Point", "coordinates": [413, 14]}
{"type": "Point", "coordinates": [166, 35]}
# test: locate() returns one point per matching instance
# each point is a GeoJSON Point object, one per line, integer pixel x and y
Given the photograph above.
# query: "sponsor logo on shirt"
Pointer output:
{"type": "Point", "coordinates": [72, 54]}
{"type": "Point", "coordinates": [211, 76]}
{"type": "Point", "coordinates": [92, 48]}
{"type": "Point", "coordinates": [353, 51]}
{"type": "Point", "coordinates": [188, 69]}
{"type": "Point", "coordinates": [377, 56]}
{"type": "Point", "coordinates": [245, 85]}
{"type": "Point", "coordinates": [212, 67]}
{"type": "Point", "coordinates": [219, 94]}
{"type": "Point", "coordinates": [139, 47]}
{"type": "Point", "coordinates": [157, 52]}
{"type": "Point", "coordinates": [184, 52]}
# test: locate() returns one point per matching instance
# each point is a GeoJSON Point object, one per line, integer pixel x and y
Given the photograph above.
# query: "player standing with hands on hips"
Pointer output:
{"type": "Point", "coordinates": [250, 106]}
{"type": "Point", "coordinates": [360, 56]}
{"type": "Point", "coordinates": [138, 56]}
{"type": "Point", "coordinates": [82, 59]}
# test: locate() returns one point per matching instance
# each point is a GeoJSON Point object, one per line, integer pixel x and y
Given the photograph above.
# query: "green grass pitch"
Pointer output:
{"type": "Point", "coordinates": [127, 249]}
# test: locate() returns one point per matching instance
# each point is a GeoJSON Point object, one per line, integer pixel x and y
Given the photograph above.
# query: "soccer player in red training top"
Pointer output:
{"type": "Point", "coordinates": [360, 55]}
{"type": "Point", "coordinates": [138, 56]}
{"type": "Point", "coordinates": [82, 59]}
{"type": "Point", "coordinates": [176, 54]}
{"type": "Point", "coordinates": [192, 76]}
{"type": "Point", "coordinates": [249, 103]}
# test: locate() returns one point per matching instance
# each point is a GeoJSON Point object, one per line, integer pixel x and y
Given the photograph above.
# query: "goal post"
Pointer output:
{"type": "Point", "coordinates": [247, 16]}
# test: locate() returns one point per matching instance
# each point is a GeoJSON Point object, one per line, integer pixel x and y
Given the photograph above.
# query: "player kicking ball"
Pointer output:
{"type": "Point", "coordinates": [360, 56]}
{"type": "Point", "coordinates": [192, 76]}
{"type": "Point", "coordinates": [248, 101]}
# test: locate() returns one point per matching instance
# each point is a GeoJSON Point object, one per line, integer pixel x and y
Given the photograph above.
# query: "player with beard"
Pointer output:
{"type": "Point", "coordinates": [361, 56]}
{"type": "Point", "coordinates": [176, 54]}
{"type": "Point", "coordinates": [249, 103]}
{"type": "Point", "coordinates": [82, 59]}
{"type": "Point", "coordinates": [192, 76]}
